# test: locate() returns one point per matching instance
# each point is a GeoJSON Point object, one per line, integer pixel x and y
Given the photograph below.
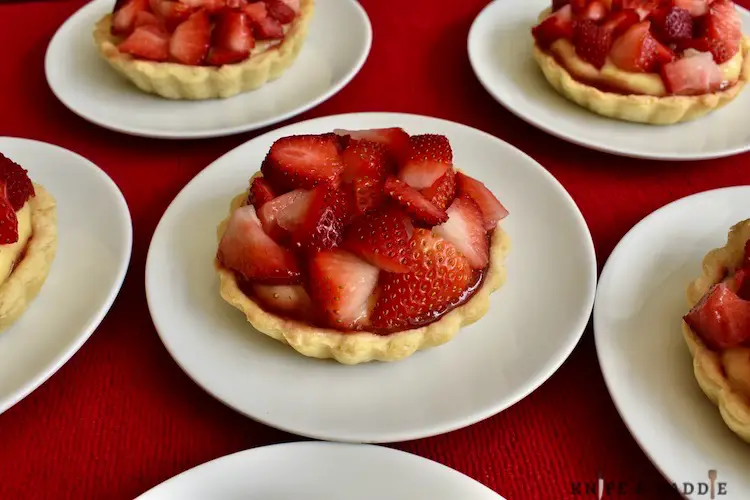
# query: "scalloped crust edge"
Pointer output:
{"type": "Point", "coordinates": [27, 278]}
{"type": "Point", "coordinates": [639, 108]}
{"type": "Point", "coordinates": [707, 364]}
{"type": "Point", "coordinates": [181, 82]}
{"type": "Point", "coordinates": [363, 347]}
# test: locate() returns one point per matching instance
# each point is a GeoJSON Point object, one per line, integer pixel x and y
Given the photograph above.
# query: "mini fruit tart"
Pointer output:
{"type": "Point", "coordinates": [28, 240]}
{"type": "Point", "coordinates": [203, 49]}
{"type": "Point", "coordinates": [717, 328]}
{"type": "Point", "coordinates": [362, 245]}
{"type": "Point", "coordinates": [648, 61]}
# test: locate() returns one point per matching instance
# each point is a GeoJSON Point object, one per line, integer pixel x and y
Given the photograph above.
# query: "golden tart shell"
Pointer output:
{"type": "Point", "coordinates": [30, 273]}
{"type": "Point", "coordinates": [713, 370]}
{"type": "Point", "coordinates": [362, 347]}
{"type": "Point", "coordinates": [180, 81]}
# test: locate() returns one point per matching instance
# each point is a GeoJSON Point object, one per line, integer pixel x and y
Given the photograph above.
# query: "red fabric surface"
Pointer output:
{"type": "Point", "coordinates": [121, 417]}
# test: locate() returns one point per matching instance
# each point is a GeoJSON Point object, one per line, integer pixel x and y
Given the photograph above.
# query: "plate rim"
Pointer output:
{"type": "Point", "coordinates": [105, 307]}
{"type": "Point", "coordinates": [207, 133]}
{"type": "Point", "coordinates": [572, 139]}
{"type": "Point", "coordinates": [596, 317]}
{"type": "Point", "coordinates": [434, 429]}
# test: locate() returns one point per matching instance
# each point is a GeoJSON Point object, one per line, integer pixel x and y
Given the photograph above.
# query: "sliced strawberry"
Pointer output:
{"type": "Point", "coordinates": [673, 24]}
{"type": "Point", "coordinates": [8, 218]}
{"type": "Point", "coordinates": [173, 13]}
{"type": "Point", "coordinates": [280, 11]}
{"type": "Point", "coordinates": [146, 18]}
{"type": "Point", "coordinates": [292, 4]}
{"type": "Point", "coordinates": [147, 42]}
{"type": "Point", "coordinates": [395, 140]}
{"type": "Point", "coordinates": [492, 210]}
{"type": "Point", "coordinates": [284, 213]}
{"type": "Point", "coordinates": [414, 203]}
{"type": "Point", "coordinates": [694, 74]}
{"type": "Point", "coordinates": [366, 164]}
{"type": "Point", "coordinates": [290, 300]}
{"type": "Point", "coordinates": [619, 22]}
{"type": "Point", "coordinates": [16, 179]}
{"type": "Point", "coordinates": [191, 39]}
{"type": "Point", "coordinates": [303, 161]}
{"type": "Point", "coordinates": [256, 12]}
{"type": "Point", "coordinates": [381, 238]}
{"type": "Point", "coordinates": [695, 8]}
{"type": "Point", "coordinates": [249, 251]}
{"type": "Point", "coordinates": [123, 19]}
{"type": "Point", "coordinates": [554, 27]}
{"type": "Point", "coordinates": [268, 29]}
{"type": "Point", "coordinates": [465, 229]}
{"type": "Point", "coordinates": [321, 225]}
{"type": "Point", "coordinates": [341, 285]}
{"type": "Point", "coordinates": [723, 30]}
{"type": "Point", "coordinates": [592, 42]}
{"type": "Point", "coordinates": [209, 5]}
{"type": "Point", "coordinates": [236, 4]}
{"type": "Point", "coordinates": [430, 157]}
{"type": "Point", "coordinates": [232, 38]}
{"type": "Point", "coordinates": [638, 51]}
{"type": "Point", "coordinates": [440, 278]}
{"type": "Point", "coordinates": [644, 8]}
{"type": "Point", "coordinates": [721, 318]}
{"type": "Point", "coordinates": [260, 192]}
{"type": "Point", "coordinates": [594, 11]}
{"type": "Point", "coordinates": [443, 191]}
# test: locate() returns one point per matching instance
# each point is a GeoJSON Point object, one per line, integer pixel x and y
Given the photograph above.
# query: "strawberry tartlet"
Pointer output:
{"type": "Point", "coordinates": [648, 61]}
{"type": "Point", "coordinates": [203, 49]}
{"type": "Point", "coordinates": [717, 328]}
{"type": "Point", "coordinates": [362, 245]}
{"type": "Point", "coordinates": [28, 240]}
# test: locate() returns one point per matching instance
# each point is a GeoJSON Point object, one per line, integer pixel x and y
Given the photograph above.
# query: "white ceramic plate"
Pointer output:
{"type": "Point", "coordinates": [321, 471]}
{"type": "Point", "coordinates": [535, 320]}
{"type": "Point", "coordinates": [337, 46]}
{"type": "Point", "coordinates": [646, 363]}
{"type": "Point", "coordinates": [92, 257]}
{"type": "Point", "coordinates": [500, 50]}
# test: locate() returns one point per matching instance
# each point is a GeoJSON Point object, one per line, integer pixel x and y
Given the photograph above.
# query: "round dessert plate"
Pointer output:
{"type": "Point", "coordinates": [321, 471]}
{"type": "Point", "coordinates": [500, 49]}
{"type": "Point", "coordinates": [645, 361]}
{"type": "Point", "coordinates": [337, 46]}
{"type": "Point", "coordinates": [534, 321]}
{"type": "Point", "coordinates": [92, 257]}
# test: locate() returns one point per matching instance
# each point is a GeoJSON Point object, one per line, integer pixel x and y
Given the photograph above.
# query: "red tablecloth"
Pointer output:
{"type": "Point", "coordinates": [121, 417]}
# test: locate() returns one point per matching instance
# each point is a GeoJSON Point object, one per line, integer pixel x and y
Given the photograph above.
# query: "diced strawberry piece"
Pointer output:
{"type": "Point", "coordinates": [191, 39]}
{"type": "Point", "coordinates": [429, 158]}
{"type": "Point", "coordinates": [440, 279]}
{"type": "Point", "coordinates": [465, 229]}
{"type": "Point", "coordinates": [594, 11]}
{"type": "Point", "coordinates": [672, 25]}
{"type": "Point", "coordinates": [366, 164]}
{"type": "Point", "coordinates": [268, 29]}
{"type": "Point", "coordinates": [8, 218]}
{"type": "Point", "coordinates": [303, 161]}
{"type": "Point", "coordinates": [321, 225]}
{"type": "Point", "coordinates": [492, 210]}
{"type": "Point", "coordinates": [694, 74]}
{"type": "Point", "coordinates": [289, 300]}
{"type": "Point", "coordinates": [145, 18]}
{"type": "Point", "coordinates": [721, 318]}
{"type": "Point", "coordinates": [414, 203]}
{"type": "Point", "coordinates": [173, 13]}
{"type": "Point", "coordinates": [19, 187]}
{"type": "Point", "coordinates": [232, 38]}
{"type": "Point", "coordinates": [260, 192]}
{"type": "Point", "coordinates": [280, 11]}
{"type": "Point", "coordinates": [284, 213]}
{"type": "Point", "coordinates": [443, 191]}
{"type": "Point", "coordinates": [619, 22]}
{"type": "Point", "coordinates": [638, 51]}
{"type": "Point", "coordinates": [554, 27]}
{"type": "Point", "coordinates": [381, 238]}
{"type": "Point", "coordinates": [395, 140]}
{"type": "Point", "coordinates": [592, 42]}
{"type": "Point", "coordinates": [341, 285]}
{"type": "Point", "coordinates": [256, 12]}
{"type": "Point", "coordinates": [123, 19]}
{"type": "Point", "coordinates": [644, 8]}
{"type": "Point", "coordinates": [695, 8]}
{"type": "Point", "coordinates": [723, 30]}
{"type": "Point", "coordinates": [249, 251]}
{"type": "Point", "coordinates": [147, 42]}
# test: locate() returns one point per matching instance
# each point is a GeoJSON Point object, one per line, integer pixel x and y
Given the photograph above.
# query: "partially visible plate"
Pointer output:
{"type": "Point", "coordinates": [321, 471]}
{"type": "Point", "coordinates": [533, 324]}
{"type": "Point", "coordinates": [95, 237]}
{"type": "Point", "coordinates": [645, 361]}
{"type": "Point", "coordinates": [339, 40]}
{"type": "Point", "coordinates": [500, 50]}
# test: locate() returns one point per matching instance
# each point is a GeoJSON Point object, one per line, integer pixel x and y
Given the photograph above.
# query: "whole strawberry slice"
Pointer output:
{"type": "Point", "coordinates": [414, 203]}
{"type": "Point", "coordinates": [395, 140]}
{"type": "Point", "coordinates": [638, 51]}
{"type": "Point", "coordinates": [284, 213]}
{"type": "Point", "coordinates": [232, 38]}
{"type": "Point", "coordinates": [440, 278]}
{"type": "Point", "coordinates": [721, 318]}
{"type": "Point", "coordinates": [723, 30]}
{"type": "Point", "coordinates": [172, 13]}
{"type": "Point", "coordinates": [8, 219]}
{"type": "Point", "coordinates": [303, 161]}
{"type": "Point", "coordinates": [341, 285]}
{"type": "Point", "coordinates": [558, 25]}
{"type": "Point", "coordinates": [320, 226]}
{"type": "Point", "coordinates": [249, 251]}
{"type": "Point", "coordinates": [191, 39]}
{"type": "Point", "coordinates": [268, 28]}
{"type": "Point", "coordinates": [260, 192]}
{"type": "Point", "coordinates": [430, 157]}
{"type": "Point", "coordinates": [147, 42]}
{"type": "Point", "coordinates": [492, 210]}
{"type": "Point", "coordinates": [465, 229]}
{"type": "Point", "coordinates": [123, 19]}
{"type": "Point", "coordinates": [365, 167]}
{"type": "Point", "coordinates": [290, 300]}
{"type": "Point", "coordinates": [280, 11]}
{"type": "Point", "coordinates": [443, 191]}
{"type": "Point", "coordinates": [695, 74]}
{"type": "Point", "coordinates": [19, 187]}
{"type": "Point", "coordinates": [381, 238]}
{"type": "Point", "coordinates": [592, 42]}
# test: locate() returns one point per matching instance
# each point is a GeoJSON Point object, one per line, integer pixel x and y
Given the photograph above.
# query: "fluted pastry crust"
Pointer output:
{"type": "Point", "coordinates": [361, 347]}
{"type": "Point", "coordinates": [180, 81]}
{"type": "Point", "coordinates": [712, 368]}
{"type": "Point", "coordinates": [30, 273]}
